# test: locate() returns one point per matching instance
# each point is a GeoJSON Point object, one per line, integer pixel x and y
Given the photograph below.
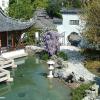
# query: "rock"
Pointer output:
{"type": "Point", "coordinates": [54, 57]}
{"type": "Point", "coordinates": [58, 61]}
{"type": "Point", "coordinates": [64, 64]}
{"type": "Point", "coordinates": [81, 79]}
{"type": "Point", "coordinates": [58, 73]}
{"type": "Point", "coordinates": [74, 38]}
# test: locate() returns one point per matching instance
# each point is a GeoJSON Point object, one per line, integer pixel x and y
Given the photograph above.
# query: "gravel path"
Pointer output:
{"type": "Point", "coordinates": [75, 64]}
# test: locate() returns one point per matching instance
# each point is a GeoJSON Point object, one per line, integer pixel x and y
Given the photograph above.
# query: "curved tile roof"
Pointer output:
{"type": "Point", "coordinates": [70, 11]}
{"type": "Point", "coordinates": [10, 24]}
{"type": "Point", "coordinates": [43, 21]}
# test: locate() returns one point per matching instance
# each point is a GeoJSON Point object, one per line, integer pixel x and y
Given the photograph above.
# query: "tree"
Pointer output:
{"type": "Point", "coordinates": [53, 8]}
{"type": "Point", "coordinates": [20, 9]}
{"type": "Point", "coordinates": [77, 3]}
{"type": "Point", "coordinates": [72, 3]}
{"type": "Point", "coordinates": [51, 40]}
{"type": "Point", "coordinates": [91, 15]}
{"type": "Point", "coordinates": [24, 9]}
{"type": "Point", "coordinates": [40, 3]}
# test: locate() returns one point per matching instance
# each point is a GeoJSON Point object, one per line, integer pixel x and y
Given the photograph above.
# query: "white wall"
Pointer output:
{"type": "Point", "coordinates": [4, 4]}
{"type": "Point", "coordinates": [67, 28]}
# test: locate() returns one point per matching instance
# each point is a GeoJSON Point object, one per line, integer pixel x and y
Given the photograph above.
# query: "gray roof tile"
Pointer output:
{"type": "Point", "coordinates": [10, 24]}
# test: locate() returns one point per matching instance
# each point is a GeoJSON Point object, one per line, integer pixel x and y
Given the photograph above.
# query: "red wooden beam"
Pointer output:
{"type": "Point", "coordinates": [12, 40]}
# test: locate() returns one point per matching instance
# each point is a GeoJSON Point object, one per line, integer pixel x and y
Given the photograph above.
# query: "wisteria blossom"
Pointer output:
{"type": "Point", "coordinates": [51, 40]}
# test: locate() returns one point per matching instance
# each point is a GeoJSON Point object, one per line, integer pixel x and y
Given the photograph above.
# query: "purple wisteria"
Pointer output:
{"type": "Point", "coordinates": [51, 40]}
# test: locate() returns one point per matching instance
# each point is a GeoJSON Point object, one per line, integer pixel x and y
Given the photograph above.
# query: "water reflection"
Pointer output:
{"type": "Point", "coordinates": [44, 74]}
{"type": "Point", "coordinates": [20, 61]}
{"type": "Point", "coordinates": [37, 61]}
{"type": "Point", "coordinates": [50, 83]}
{"type": "Point", "coordinates": [30, 83]}
{"type": "Point", "coordinates": [4, 88]}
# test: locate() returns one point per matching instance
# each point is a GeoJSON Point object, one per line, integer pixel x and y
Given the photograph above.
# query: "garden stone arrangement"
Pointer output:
{"type": "Point", "coordinates": [92, 93]}
{"type": "Point", "coordinates": [68, 60]}
{"type": "Point", "coordinates": [72, 67]}
{"type": "Point", "coordinates": [75, 65]}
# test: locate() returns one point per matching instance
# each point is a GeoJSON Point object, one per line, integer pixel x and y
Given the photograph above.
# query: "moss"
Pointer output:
{"type": "Point", "coordinates": [78, 93]}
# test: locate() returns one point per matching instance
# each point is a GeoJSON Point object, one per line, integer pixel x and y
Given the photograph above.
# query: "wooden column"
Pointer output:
{"type": "Point", "coordinates": [7, 39]}
{"type": "Point", "coordinates": [12, 39]}
{"type": "Point", "coordinates": [0, 39]}
{"type": "Point", "coordinates": [0, 44]}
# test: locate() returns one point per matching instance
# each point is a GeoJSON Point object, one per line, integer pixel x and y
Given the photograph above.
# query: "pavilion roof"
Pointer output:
{"type": "Point", "coordinates": [10, 24]}
{"type": "Point", "coordinates": [70, 11]}
{"type": "Point", "coordinates": [43, 21]}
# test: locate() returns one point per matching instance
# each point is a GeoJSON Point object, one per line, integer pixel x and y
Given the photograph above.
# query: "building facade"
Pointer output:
{"type": "Point", "coordinates": [11, 30]}
{"type": "Point", "coordinates": [4, 4]}
{"type": "Point", "coordinates": [71, 23]}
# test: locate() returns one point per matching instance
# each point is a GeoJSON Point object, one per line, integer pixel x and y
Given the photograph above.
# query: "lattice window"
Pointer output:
{"type": "Point", "coordinates": [74, 22]}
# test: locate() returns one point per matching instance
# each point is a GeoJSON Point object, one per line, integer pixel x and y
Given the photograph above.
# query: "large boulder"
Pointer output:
{"type": "Point", "coordinates": [74, 38]}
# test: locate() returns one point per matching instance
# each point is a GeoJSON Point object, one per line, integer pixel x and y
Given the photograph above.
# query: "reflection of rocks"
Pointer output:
{"type": "Point", "coordinates": [74, 38]}
{"type": "Point", "coordinates": [43, 74]}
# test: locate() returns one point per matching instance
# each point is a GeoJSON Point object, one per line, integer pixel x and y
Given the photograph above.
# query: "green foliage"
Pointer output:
{"type": "Point", "coordinates": [11, 1]}
{"type": "Point", "coordinates": [40, 4]}
{"type": "Point", "coordinates": [30, 40]}
{"type": "Point", "coordinates": [77, 3]}
{"type": "Point", "coordinates": [24, 9]}
{"type": "Point", "coordinates": [72, 3]}
{"type": "Point", "coordinates": [43, 55]}
{"type": "Point", "coordinates": [62, 55]}
{"type": "Point", "coordinates": [58, 15]}
{"type": "Point", "coordinates": [78, 93]}
{"type": "Point", "coordinates": [21, 9]}
{"type": "Point", "coordinates": [53, 8]}
{"type": "Point", "coordinates": [91, 14]}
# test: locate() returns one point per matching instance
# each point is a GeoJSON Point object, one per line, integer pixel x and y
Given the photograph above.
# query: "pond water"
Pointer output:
{"type": "Point", "coordinates": [30, 83]}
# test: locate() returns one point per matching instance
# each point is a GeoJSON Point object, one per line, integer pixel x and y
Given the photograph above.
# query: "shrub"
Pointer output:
{"type": "Point", "coordinates": [78, 93]}
{"type": "Point", "coordinates": [58, 15]}
{"type": "Point", "coordinates": [62, 55]}
{"type": "Point", "coordinates": [43, 55]}
{"type": "Point", "coordinates": [53, 8]}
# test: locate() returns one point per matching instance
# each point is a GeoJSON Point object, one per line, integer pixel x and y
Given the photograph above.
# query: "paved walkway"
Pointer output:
{"type": "Point", "coordinates": [75, 63]}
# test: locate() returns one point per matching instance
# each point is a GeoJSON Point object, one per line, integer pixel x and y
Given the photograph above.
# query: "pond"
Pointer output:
{"type": "Point", "coordinates": [30, 83]}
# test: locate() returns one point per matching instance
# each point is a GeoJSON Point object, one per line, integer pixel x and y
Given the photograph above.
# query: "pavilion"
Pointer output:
{"type": "Point", "coordinates": [11, 29]}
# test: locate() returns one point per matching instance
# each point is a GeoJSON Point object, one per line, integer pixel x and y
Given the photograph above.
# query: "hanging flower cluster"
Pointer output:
{"type": "Point", "coordinates": [51, 40]}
